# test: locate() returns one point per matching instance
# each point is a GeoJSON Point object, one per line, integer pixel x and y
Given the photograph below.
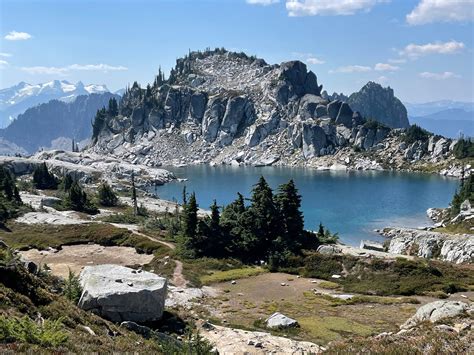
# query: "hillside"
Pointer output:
{"type": "Point", "coordinates": [224, 107]}
{"type": "Point", "coordinates": [39, 126]}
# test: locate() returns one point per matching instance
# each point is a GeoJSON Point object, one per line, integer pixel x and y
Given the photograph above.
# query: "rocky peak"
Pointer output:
{"type": "Point", "coordinates": [378, 103]}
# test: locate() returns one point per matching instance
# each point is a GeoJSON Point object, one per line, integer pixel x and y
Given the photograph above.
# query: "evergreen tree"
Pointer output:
{"type": "Point", "coordinates": [213, 244]}
{"type": "Point", "coordinates": [43, 179]}
{"type": "Point", "coordinates": [289, 204]}
{"type": "Point", "coordinates": [73, 146]}
{"type": "Point", "coordinates": [107, 196]}
{"type": "Point", "coordinates": [78, 200]}
{"type": "Point", "coordinates": [190, 219]}
{"type": "Point", "coordinates": [113, 107]}
{"type": "Point", "coordinates": [465, 192]}
{"type": "Point", "coordinates": [134, 196]}
{"type": "Point", "coordinates": [264, 219]}
{"type": "Point", "coordinates": [66, 183]}
{"type": "Point", "coordinates": [99, 123]}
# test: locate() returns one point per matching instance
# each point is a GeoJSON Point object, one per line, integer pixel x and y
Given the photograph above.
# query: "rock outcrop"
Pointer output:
{"type": "Point", "coordinates": [436, 311]}
{"type": "Point", "coordinates": [378, 103]}
{"type": "Point", "coordinates": [88, 167]}
{"type": "Point", "coordinates": [41, 125]}
{"type": "Point", "coordinates": [428, 244]}
{"type": "Point", "coordinates": [221, 107]}
{"type": "Point", "coordinates": [122, 294]}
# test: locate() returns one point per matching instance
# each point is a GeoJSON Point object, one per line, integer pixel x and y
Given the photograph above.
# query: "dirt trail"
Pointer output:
{"type": "Point", "coordinates": [178, 278]}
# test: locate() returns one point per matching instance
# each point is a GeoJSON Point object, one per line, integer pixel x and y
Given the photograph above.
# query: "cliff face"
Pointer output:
{"type": "Point", "coordinates": [42, 124]}
{"type": "Point", "coordinates": [224, 107]}
{"type": "Point", "coordinates": [380, 104]}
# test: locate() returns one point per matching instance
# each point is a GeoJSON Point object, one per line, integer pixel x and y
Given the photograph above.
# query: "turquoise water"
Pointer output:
{"type": "Point", "coordinates": [350, 203]}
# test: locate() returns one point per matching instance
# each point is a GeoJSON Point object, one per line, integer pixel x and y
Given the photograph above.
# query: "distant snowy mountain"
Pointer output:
{"type": "Point", "coordinates": [16, 99]}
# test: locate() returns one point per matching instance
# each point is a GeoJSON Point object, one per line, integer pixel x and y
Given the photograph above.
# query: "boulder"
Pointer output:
{"type": "Point", "coordinates": [314, 139]}
{"type": "Point", "coordinates": [333, 108]}
{"type": "Point", "coordinates": [436, 311]}
{"type": "Point", "coordinates": [278, 320]}
{"type": "Point", "coordinates": [308, 105]}
{"type": "Point", "coordinates": [344, 115]}
{"type": "Point", "coordinates": [321, 111]}
{"type": "Point", "coordinates": [122, 294]}
{"type": "Point", "coordinates": [329, 249]}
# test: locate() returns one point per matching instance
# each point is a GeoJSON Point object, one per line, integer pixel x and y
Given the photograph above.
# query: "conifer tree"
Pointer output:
{"type": "Point", "coordinates": [106, 195]}
{"type": "Point", "coordinates": [43, 179]}
{"type": "Point", "coordinates": [292, 223]}
{"type": "Point", "coordinates": [134, 196]}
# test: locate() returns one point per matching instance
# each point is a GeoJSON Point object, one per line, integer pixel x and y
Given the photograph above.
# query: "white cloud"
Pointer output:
{"type": "Point", "coordinates": [5, 55]}
{"type": "Point", "coordinates": [416, 50]}
{"type": "Point", "coordinates": [328, 7]}
{"type": "Point", "coordinates": [73, 67]}
{"type": "Point", "coordinates": [352, 69]}
{"type": "Point", "coordinates": [262, 2]}
{"type": "Point", "coordinates": [438, 76]}
{"type": "Point", "coordinates": [429, 11]}
{"type": "Point", "coordinates": [310, 58]}
{"type": "Point", "coordinates": [314, 60]}
{"type": "Point", "coordinates": [397, 61]}
{"type": "Point", "coordinates": [382, 79]}
{"type": "Point", "coordinates": [17, 36]}
{"type": "Point", "coordinates": [385, 67]}
{"type": "Point", "coordinates": [3, 63]}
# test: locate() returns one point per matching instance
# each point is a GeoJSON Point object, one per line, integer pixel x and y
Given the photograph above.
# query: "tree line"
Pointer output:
{"type": "Point", "coordinates": [270, 228]}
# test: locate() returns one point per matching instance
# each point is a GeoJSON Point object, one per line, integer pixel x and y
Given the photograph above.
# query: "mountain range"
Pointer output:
{"type": "Point", "coordinates": [18, 98]}
{"type": "Point", "coordinates": [55, 123]}
{"type": "Point", "coordinates": [447, 118]}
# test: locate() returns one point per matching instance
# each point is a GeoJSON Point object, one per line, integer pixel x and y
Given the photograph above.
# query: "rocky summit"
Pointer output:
{"type": "Point", "coordinates": [224, 107]}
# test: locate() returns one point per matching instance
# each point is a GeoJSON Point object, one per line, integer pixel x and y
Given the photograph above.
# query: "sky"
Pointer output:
{"type": "Point", "coordinates": [423, 49]}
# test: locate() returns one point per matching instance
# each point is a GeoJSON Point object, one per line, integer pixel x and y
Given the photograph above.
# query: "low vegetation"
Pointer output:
{"type": "Point", "coordinates": [464, 148]}
{"type": "Point", "coordinates": [23, 237]}
{"type": "Point", "coordinates": [415, 133]}
{"type": "Point", "coordinates": [10, 200]}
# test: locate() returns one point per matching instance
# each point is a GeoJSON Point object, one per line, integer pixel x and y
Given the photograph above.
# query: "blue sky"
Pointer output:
{"type": "Point", "coordinates": [421, 48]}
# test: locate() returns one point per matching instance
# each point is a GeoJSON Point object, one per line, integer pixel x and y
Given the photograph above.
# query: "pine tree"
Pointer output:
{"type": "Point", "coordinates": [113, 107]}
{"type": "Point", "coordinates": [264, 218]}
{"type": "Point", "coordinates": [99, 123]}
{"type": "Point", "coordinates": [73, 146]}
{"type": "Point", "coordinates": [78, 200]}
{"type": "Point", "coordinates": [134, 196]}
{"type": "Point", "coordinates": [67, 182]}
{"type": "Point", "coordinates": [43, 179]}
{"type": "Point", "coordinates": [106, 195]}
{"type": "Point", "coordinates": [190, 219]}
{"type": "Point", "coordinates": [289, 204]}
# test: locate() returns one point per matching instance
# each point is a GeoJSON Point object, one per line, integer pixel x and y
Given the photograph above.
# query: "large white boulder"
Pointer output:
{"type": "Point", "coordinates": [278, 320]}
{"type": "Point", "coordinates": [436, 311]}
{"type": "Point", "coordinates": [122, 294]}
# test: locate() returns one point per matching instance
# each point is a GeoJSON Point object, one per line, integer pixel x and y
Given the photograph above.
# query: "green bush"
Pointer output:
{"type": "Point", "coordinates": [415, 133]}
{"type": "Point", "coordinates": [43, 179]}
{"type": "Point", "coordinates": [464, 148]}
{"type": "Point", "coordinates": [44, 333]}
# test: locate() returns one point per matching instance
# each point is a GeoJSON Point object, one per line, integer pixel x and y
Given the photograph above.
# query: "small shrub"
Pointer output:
{"type": "Point", "coordinates": [72, 287]}
{"type": "Point", "coordinates": [47, 333]}
{"type": "Point", "coordinates": [107, 196]}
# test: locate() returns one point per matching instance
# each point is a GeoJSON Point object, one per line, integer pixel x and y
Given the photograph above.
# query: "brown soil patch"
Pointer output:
{"type": "Point", "coordinates": [75, 257]}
